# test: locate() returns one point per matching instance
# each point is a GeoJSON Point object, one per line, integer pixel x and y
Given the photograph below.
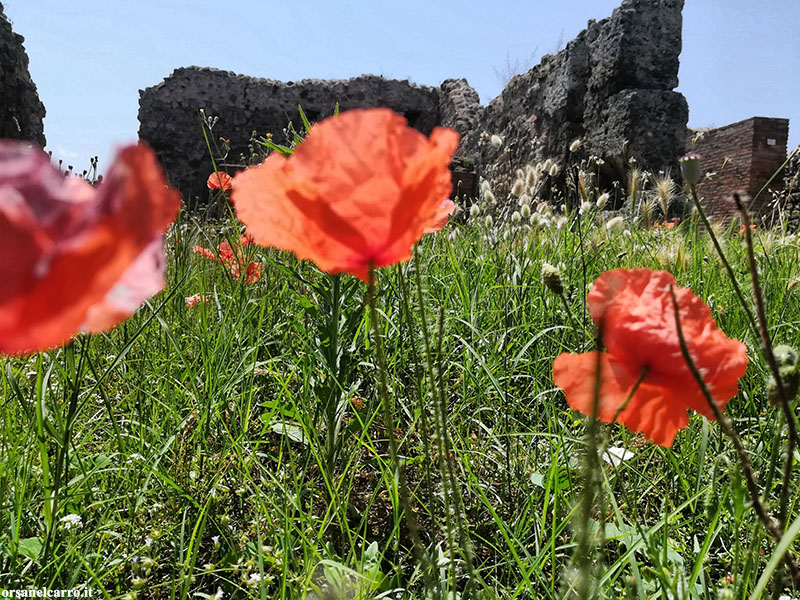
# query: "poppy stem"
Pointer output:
{"type": "Point", "coordinates": [766, 344]}
{"type": "Point", "coordinates": [770, 524]}
{"type": "Point", "coordinates": [388, 422]}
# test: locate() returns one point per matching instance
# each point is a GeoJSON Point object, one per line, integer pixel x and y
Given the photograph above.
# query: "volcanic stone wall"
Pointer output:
{"type": "Point", "coordinates": [21, 110]}
{"type": "Point", "coordinates": [612, 86]}
{"type": "Point", "coordinates": [170, 121]}
{"type": "Point", "coordinates": [741, 156]}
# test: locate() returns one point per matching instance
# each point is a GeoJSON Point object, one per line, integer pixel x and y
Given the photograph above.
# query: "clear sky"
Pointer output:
{"type": "Point", "coordinates": [89, 58]}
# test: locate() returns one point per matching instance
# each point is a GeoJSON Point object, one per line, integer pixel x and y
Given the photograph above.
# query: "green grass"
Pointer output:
{"type": "Point", "coordinates": [240, 444]}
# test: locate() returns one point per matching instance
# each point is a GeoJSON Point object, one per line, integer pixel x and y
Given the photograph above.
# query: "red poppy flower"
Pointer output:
{"type": "Point", "coordinates": [634, 311]}
{"type": "Point", "coordinates": [446, 208]}
{"type": "Point", "coordinates": [357, 193]}
{"type": "Point", "coordinates": [73, 257]}
{"type": "Point", "coordinates": [234, 259]}
{"type": "Point", "coordinates": [194, 300]}
{"type": "Point", "coordinates": [219, 180]}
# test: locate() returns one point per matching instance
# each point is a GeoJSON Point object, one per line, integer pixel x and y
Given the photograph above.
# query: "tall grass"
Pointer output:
{"type": "Point", "coordinates": [237, 449]}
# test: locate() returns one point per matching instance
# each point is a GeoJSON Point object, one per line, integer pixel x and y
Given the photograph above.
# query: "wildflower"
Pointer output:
{"type": "Point", "coordinates": [602, 200]}
{"type": "Point", "coordinates": [234, 259]}
{"type": "Point", "coordinates": [615, 223]}
{"type": "Point", "coordinates": [644, 382]}
{"type": "Point", "coordinates": [356, 194]}
{"type": "Point", "coordinates": [690, 168]}
{"type": "Point", "coordinates": [71, 521]}
{"type": "Point", "coordinates": [194, 300]}
{"type": "Point", "coordinates": [616, 456]}
{"type": "Point", "coordinates": [474, 210]}
{"type": "Point", "coordinates": [575, 145]}
{"type": "Point", "coordinates": [488, 221]}
{"type": "Point", "coordinates": [76, 257]}
{"type": "Point", "coordinates": [742, 229]}
{"type": "Point", "coordinates": [446, 208]}
{"type": "Point", "coordinates": [496, 141]}
{"type": "Point", "coordinates": [516, 217]}
{"type": "Point", "coordinates": [219, 180]}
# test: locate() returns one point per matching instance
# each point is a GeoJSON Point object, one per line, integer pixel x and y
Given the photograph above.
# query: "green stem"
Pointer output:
{"type": "Point", "coordinates": [399, 478]}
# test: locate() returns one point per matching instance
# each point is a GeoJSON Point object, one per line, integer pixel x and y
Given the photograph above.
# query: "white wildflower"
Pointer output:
{"type": "Point", "coordinates": [71, 521]}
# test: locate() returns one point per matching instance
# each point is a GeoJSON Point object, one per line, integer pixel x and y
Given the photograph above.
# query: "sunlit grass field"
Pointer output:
{"type": "Point", "coordinates": [238, 448]}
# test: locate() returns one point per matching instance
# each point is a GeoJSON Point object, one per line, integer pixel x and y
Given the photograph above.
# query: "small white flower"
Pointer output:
{"type": "Point", "coordinates": [219, 595]}
{"type": "Point", "coordinates": [253, 580]}
{"type": "Point", "coordinates": [215, 539]}
{"type": "Point", "coordinates": [148, 541]}
{"type": "Point", "coordinates": [135, 457]}
{"type": "Point", "coordinates": [71, 521]}
{"type": "Point", "coordinates": [615, 223]}
{"type": "Point", "coordinates": [496, 141]}
{"type": "Point", "coordinates": [616, 456]}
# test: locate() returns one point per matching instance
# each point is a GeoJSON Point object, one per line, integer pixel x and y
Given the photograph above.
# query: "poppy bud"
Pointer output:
{"type": "Point", "coordinates": [690, 168]}
{"type": "Point", "coordinates": [551, 277]}
{"type": "Point", "coordinates": [786, 357]}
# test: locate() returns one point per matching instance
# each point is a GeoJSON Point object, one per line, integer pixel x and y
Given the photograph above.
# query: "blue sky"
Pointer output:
{"type": "Point", "coordinates": [89, 59]}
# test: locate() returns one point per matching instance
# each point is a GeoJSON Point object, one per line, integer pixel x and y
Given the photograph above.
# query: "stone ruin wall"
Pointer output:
{"type": "Point", "coordinates": [171, 124]}
{"type": "Point", "coordinates": [21, 110]}
{"type": "Point", "coordinates": [612, 86]}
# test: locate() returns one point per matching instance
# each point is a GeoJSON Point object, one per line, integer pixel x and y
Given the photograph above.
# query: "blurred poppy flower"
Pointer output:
{"type": "Point", "coordinates": [219, 180]}
{"type": "Point", "coordinates": [194, 300]}
{"type": "Point", "coordinates": [72, 257]}
{"type": "Point", "coordinates": [356, 194]}
{"type": "Point", "coordinates": [233, 257]}
{"type": "Point", "coordinates": [633, 309]}
{"type": "Point", "coordinates": [742, 228]}
{"type": "Point", "coordinates": [446, 209]}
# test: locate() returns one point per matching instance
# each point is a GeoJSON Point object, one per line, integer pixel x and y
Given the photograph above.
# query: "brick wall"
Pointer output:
{"type": "Point", "coordinates": [741, 156]}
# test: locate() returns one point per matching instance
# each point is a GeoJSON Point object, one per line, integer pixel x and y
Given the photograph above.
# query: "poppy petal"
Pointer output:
{"type": "Point", "coordinates": [73, 242]}
{"type": "Point", "coordinates": [653, 410]}
{"type": "Point", "coordinates": [358, 192]}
